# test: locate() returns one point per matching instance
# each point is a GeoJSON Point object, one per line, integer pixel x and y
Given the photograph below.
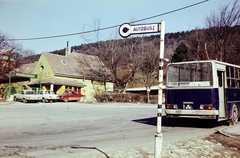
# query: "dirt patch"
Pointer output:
{"type": "Point", "coordinates": [2, 100]}
{"type": "Point", "coordinates": [229, 143]}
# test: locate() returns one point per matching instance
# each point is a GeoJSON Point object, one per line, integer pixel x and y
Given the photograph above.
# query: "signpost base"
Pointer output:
{"type": "Point", "coordinates": [158, 145]}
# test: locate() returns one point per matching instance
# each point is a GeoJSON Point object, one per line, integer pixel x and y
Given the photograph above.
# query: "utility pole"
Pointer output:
{"type": "Point", "coordinates": [158, 135]}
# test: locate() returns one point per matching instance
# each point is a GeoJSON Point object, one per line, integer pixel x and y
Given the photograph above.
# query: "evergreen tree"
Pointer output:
{"type": "Point", "coordinates": [181, 53]}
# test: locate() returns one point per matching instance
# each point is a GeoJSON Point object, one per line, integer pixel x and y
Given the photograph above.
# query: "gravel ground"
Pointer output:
{"type": "Point", "coordinates": [214, 146]}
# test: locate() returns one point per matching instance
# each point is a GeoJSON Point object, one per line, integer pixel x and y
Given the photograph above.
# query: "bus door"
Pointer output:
{"type": "Point", "coordinates": [221, 92]}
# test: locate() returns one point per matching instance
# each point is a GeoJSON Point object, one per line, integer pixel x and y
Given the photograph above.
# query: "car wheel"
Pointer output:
{"type": "Point", "coordinates": [24, 100]}
{"type": "Point", "coordinates": [82, 99]}
{"type": "Point", "coordinates": [43, 100]}
{"type": "Point", "coordinates": [50, 101]}
{"type": "Point", "coordinates": [235, 115]}
{"type": "Point", "coordinates": [66, 100]}
{"type": "Point", "coordinates": [14, 99]}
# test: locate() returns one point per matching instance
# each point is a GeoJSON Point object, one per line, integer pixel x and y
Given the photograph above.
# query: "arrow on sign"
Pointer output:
{"type": "Point", "coordinates": [125, 30]}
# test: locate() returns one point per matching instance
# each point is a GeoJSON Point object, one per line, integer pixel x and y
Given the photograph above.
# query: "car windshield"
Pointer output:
{"type": "Point", "coordinates": [49, 92]}
{"type": "Point", "coordinates": [68, 93]}
{"type": "Point", "coordinates": [189, 74]}
{"type": "Point", "coordinates": [30, 92]}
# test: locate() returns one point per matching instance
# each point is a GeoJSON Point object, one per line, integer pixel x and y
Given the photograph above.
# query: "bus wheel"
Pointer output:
{"type": "Point", "coordinates": [234, 118]}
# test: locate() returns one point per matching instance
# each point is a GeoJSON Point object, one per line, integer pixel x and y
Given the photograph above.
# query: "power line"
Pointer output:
{"type": "Point", "coordinates": [105, 28]}
{"type": "Point", "coordinates": [170, 11]}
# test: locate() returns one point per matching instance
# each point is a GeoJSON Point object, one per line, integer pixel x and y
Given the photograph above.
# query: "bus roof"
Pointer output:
{"type": "Point", "coordinates": [204, 61]}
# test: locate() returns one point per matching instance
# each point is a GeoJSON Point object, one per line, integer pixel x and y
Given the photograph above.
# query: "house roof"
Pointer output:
{"type": "Point", "coordinates": [26, 68]}
{"type": "Point", "coordinates": [57, 81]}
{"type": "Point", "coordinates": [77, 64]}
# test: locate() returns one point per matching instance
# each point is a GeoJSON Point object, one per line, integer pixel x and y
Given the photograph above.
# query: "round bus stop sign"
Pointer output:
{"type": "Point", "coordinates": [124, 30]}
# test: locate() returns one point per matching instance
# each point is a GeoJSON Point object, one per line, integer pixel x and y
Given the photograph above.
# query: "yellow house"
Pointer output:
{"type": "Point", "coordinates": [74, 71]}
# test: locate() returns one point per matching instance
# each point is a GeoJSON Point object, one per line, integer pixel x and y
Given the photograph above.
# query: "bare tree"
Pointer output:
{"type": "Point", "coordinates": [196, 42]}
{"type": "Point", "coordinates": [114, 54]}
{"type": "Point", "coordinates": [7, 47]}
{"type": "Point", "coordinates": [221, 28]}
{"type": "Point", "coordinates": [3, 41]}
{"type": "Point", "coordinates": [148, 69]}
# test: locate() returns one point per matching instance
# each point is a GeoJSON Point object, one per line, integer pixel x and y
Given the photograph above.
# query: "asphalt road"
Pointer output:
{"type": "Point", "coordinates": [88, 130]}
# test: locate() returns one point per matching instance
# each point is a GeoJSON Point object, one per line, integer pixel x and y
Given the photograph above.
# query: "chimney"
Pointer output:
{"type": "Point", "coordinates": [67, 50]}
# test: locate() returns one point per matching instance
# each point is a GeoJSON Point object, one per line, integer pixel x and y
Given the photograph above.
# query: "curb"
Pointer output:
{"type": "Point", "coordinates": [226, 134]}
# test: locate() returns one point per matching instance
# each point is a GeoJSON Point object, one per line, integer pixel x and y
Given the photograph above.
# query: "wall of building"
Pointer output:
{"type": "Point", "coordinates": [44, 66]}
{"type": "Point", "coordinates": [89, 90]}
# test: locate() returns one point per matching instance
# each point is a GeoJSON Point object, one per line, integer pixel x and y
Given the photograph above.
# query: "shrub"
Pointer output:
{"type": "Point", "coordinates": [125, 97]}
{"type": "Point", "coordinates": [118, 97]}
{"type": "Point", "coordinates": [153, 99]}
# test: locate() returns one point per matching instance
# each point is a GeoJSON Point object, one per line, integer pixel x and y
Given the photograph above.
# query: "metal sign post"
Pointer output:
{"type": "Point", "coordinates": [125, 30]}
{"type": "Point", "coordinates": [159, 136]}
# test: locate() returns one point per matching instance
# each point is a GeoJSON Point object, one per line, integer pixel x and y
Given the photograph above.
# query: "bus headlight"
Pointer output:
{"type": "Point", "coordinates": [172, 106]}
{"type": "Point", "coordinates": [206, 107]}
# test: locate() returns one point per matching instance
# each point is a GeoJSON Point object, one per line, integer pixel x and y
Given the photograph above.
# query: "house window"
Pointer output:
{"type": "Point", "coordinates": [41, 69]}
{"type": "Point", "coordinates": [68, 88]}
{"type": "Point", "coordinates": [77, 89]}
{"type": "Point", "coordinates": [98, 83]}
{"type": "Point", "coordinates": [63, 62]}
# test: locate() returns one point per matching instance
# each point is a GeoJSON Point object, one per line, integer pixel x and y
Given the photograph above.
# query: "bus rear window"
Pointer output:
{"type": "Point", "coordinates": [189, 74]}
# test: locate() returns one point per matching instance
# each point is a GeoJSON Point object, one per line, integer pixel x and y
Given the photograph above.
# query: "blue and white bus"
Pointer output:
{"type": "Point", "coordinates": [207, 89]}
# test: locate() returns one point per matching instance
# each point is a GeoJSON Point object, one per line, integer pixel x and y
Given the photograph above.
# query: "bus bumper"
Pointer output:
{"type": "Point", "coordinates": [197, 114]}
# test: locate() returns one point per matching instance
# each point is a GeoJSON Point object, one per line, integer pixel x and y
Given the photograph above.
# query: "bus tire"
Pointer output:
{"type": "Point", "coordinates": [235, 114]}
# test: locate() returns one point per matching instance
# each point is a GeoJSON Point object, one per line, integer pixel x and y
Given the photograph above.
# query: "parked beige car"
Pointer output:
{"type": "Point", "coordinates": [47, 96]}
{"type": "Point", "coordinates": [26, 96]}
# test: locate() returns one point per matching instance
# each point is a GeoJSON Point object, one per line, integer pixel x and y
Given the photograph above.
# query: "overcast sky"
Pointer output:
{"type": "Point", "coordinates": [22, 19]}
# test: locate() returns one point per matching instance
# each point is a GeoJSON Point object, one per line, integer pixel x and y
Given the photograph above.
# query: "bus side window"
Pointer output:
{"type": "Point", "coordinates": [231, 76]}
{"type": "Point", "coordinates": [237, 77]}
{"type": "Point", "coordinates": [233, 79]}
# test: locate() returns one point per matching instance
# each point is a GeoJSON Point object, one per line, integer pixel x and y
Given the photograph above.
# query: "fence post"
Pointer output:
{"type": "Point", "coordinates": [9, 87]}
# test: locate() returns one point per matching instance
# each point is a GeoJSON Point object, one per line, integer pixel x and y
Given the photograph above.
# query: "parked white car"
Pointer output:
{"type": "Point", "coordinates": [47, 96]}
{"type": "Point", "coordinates": [26, 96]}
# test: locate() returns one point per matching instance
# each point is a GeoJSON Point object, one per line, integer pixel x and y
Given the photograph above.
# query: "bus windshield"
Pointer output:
{"type": "Point", "coordinates": [189, 74]}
